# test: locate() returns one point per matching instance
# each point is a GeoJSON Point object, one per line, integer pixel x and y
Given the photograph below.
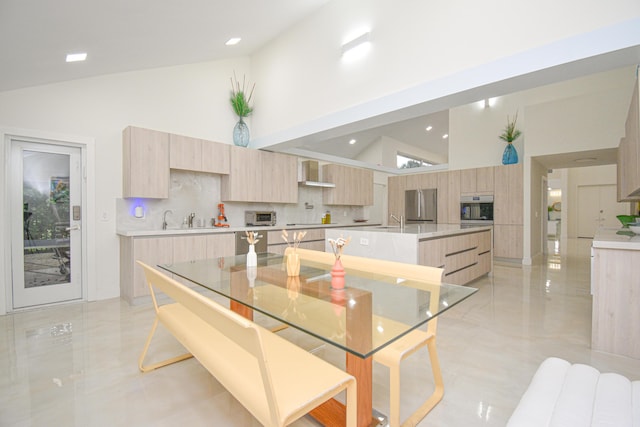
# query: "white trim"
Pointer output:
{"type": "Point", "coordinates": [87, 146]}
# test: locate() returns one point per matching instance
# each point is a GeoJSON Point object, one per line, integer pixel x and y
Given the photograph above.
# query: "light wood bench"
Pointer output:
{"type": "Point", "coordinates": [276, 381]}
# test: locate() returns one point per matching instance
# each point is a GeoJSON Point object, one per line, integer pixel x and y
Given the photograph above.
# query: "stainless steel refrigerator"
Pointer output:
{"type": "Point", "coordinates": [421, 205]}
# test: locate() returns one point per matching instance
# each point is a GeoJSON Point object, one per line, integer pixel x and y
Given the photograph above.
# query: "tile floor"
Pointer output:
{"type": "Point", "coordinates": [76, 364]}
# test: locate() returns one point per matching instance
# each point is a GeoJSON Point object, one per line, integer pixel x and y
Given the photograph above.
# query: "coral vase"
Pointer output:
{"type": "Point", "coordinates": [293, 264]}
{"type": "Point", "coordinates": [337, 275]}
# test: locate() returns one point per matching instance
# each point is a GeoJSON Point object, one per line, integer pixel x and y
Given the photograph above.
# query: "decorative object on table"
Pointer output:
{"type": "Point", "coordinates": [293, 260]}
{"type": "Point", "coordinates": [510, 134]}
{"type": "Point", "coordinates": [252, 239]}
{"type": "Point", "coordinates": [337, 272]}
{"type": "Point", "coordinates": [338, 300]}
{"type": "Point", "coordinates": [252, 273]}
{"type": "Point", "coordinates": [240, 103]}
{"type": "Point", "coordinates": [625, 220]}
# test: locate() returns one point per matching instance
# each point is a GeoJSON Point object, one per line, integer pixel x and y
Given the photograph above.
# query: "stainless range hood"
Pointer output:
{"type": "Point", "coordinates": [309, 175]}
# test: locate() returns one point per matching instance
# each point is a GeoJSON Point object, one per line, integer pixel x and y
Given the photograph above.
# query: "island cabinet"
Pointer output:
{"type": "Point", "coordinates": [163, 250]}
{"type": "Point", "coordinates": [314, 240]}
{"type": "Point", "coordinates": [353, 186]}
{"type": "Point", "coordinates": [508, 212]}
{"type": "Point", "coordinates": [260, 176]}
{"type": "Point", "coordinates": [145, 163]}
{"type": "Point", "coordinates": [615, 286]}
{"type": "Point", "coordinates": [464, 257]}
{"type": "Point", "coordinates": [199, 155]}
{"type": "Point", "coordinates": [629, 153]}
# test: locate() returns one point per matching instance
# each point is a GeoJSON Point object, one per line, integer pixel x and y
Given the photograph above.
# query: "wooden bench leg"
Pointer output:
{"type": "Point", "coordinates": [166, 362]}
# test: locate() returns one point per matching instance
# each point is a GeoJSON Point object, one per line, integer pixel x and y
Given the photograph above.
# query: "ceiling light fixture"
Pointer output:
{"type": "Point", "coordinates": [445, 136]}
{"type": "Point", "coordinates": [428, 128]}
{"type": "Point", "coordinates": [352, 141]}
{"type": "Point", "coordinates": [356, 47]}
{"type": "Point", "coordinates": [233, 41]}
{"type": "Point", "coordinates": [76, 57]}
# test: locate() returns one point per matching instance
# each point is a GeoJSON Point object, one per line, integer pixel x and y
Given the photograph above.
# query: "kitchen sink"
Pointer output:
{"type": "Point", "coordinates": [389, 226]}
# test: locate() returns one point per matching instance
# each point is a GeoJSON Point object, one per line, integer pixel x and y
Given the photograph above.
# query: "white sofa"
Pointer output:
{"type": "Point", "coordinates": [562, 394]}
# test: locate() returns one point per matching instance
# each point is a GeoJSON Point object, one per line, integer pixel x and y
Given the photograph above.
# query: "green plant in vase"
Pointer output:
{"type": "Point", "coordinates": [240, 103]}
{"type": "Point", "coordinates": [510, 134]}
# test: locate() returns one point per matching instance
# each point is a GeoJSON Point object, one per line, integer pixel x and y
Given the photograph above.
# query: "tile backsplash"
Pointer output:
{"type": "Point", "coordinates": [200, 193]}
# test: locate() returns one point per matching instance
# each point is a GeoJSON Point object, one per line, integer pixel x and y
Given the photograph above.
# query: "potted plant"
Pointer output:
{"type": "Point", "coordinates": [240, 103]}
{"type": "Point", "coordinates": [510, 134]}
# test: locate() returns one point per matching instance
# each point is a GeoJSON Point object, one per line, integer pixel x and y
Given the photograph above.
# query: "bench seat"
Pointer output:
{"type": "Point", "coordinates": [562, 394]}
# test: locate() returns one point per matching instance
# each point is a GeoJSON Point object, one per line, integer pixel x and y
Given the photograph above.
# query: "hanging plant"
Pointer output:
{"type": "Point", "coordinates": [239, 100]}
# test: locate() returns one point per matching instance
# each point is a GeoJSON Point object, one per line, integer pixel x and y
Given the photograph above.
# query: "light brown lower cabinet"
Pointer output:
{"type": "Point", "coordinates": [464, 257]}
{"type": "Point", "coordinates": [314, 240]}
{"type": "Point", "coordinates": [164, 250]}
{"type": "Point", "coordinates": [615, 318]}
{"type": "Point", "coordinates": [507, 241]}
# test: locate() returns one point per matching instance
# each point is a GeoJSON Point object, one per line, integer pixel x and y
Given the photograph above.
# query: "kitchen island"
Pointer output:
{"type": "Point", "coordinates": [464, 253]}
{"type": "Point", "coordinates": [615, 286]}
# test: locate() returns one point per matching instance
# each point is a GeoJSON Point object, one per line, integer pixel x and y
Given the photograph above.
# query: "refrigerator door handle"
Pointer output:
{"type": "Point", "coordinates": [419, 204]}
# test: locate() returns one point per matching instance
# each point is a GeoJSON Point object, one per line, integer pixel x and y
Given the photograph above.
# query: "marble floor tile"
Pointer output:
{"type": "Point", "coordinates": [76, 364]}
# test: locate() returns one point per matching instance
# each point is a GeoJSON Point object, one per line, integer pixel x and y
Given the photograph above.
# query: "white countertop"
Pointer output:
{"type": "Point", "coordinates": [210, 230]}
{"type": "Point", "coordinates": [425, 231]}
{"type": "Point", "coordinates": [616, 238]}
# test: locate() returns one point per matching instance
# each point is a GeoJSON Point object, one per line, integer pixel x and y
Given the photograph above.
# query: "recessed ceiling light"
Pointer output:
{"type": "Point", "coordinates": [233, 40]}
{"type": "Point", "coordinates": [445, 136]}
{"type": "Point", "coordinates": [76, 57]}
{"type": "Point", "coordinates": [353, 141]}
{"type": "Point", "coordinates": [428, 128]}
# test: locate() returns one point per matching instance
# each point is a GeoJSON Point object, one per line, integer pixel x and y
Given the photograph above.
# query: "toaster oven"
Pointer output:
{"type": "Point", "coordinates": [264, 218]}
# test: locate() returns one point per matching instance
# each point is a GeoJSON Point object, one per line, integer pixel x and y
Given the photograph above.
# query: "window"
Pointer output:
{"type": "Point", "coordinates": [405, 161]}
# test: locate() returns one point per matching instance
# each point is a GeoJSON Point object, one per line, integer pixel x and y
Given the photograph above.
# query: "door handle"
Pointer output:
{"type": "Point", "coordinates": [72, 228]}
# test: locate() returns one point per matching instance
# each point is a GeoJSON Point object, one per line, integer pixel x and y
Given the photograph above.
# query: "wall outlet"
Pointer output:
{"type": "Point", "coordinates": [364, 241]}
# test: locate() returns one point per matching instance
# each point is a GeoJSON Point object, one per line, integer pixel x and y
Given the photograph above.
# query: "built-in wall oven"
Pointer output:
{"type": "Point", "coordinates": [476, 210]}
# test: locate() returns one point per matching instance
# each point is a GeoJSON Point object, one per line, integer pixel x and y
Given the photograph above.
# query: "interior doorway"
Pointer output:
{"type": "Point", "coordinates": [598, 207]}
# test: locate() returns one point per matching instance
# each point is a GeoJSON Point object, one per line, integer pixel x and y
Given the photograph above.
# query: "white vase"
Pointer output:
{"type": "Point", "coordinates": [252, 258]}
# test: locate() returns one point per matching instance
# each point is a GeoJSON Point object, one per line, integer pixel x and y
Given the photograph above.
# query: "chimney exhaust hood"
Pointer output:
{"type": "Point", "coordinates": [309, 175]}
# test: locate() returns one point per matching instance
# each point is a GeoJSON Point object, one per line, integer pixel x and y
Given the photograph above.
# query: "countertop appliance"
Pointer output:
{"type": "Point", "coordinates": [476, 209]}
{"type": "Point", "coordinates": [242, 246]}
{"type": "Point", "coordinates": [265, 218]}
{"type": "Point", "coordinates": [421, 205]}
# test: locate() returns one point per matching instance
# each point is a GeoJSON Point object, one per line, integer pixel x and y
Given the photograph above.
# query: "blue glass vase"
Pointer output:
{"type": "Point", "coordinates": [241, 134]}
{"type": "Point", "coordinates": [510, 155]}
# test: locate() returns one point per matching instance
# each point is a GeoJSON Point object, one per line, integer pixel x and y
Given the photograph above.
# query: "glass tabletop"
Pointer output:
{"type": "Point", "coordinates": [368, 314]}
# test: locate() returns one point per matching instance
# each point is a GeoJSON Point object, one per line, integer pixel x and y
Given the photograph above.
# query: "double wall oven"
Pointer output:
{"type": "Point", "coordinates": [476, 210]}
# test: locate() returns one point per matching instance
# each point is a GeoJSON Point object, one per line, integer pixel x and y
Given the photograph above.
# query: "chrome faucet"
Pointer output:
{"type": "Point", "coordinates": [191, 216]}
{"type": "Point", "coordinates": [399, 220]}
{"type": "Point", "coordinates": [164, 218]}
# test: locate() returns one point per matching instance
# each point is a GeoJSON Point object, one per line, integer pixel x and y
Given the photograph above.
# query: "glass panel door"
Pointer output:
{"type": "Point", "coordinates": [46, 216]}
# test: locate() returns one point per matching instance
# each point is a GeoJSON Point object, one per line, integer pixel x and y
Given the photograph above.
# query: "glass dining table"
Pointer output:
{"type": "Point", "coordinates": [372, 310]}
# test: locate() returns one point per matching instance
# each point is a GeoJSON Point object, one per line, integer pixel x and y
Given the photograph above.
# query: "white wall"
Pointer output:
{"type": "Point", "coordinates": [191, 100]}
{"type": "Point", "coordinates": [430, 48]}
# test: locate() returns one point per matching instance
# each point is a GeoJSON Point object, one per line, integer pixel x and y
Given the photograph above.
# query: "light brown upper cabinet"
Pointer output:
{"type": "Point", "coordinates": [145, 163]}
{"type": "Point", "coordinates": [629, 153]}
{"type": "Point", "coordinates": [198, 155]}
{"type": "Point", "coordinates": [260, 176]}
{"type": "Point", "coordinates": [354, 186]}
{"type": "Point", "coordinates": [477, 181]}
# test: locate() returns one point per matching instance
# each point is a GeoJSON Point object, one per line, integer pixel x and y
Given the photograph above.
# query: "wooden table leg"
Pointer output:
{"type": "Point", "coordinates": [333, 413]}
